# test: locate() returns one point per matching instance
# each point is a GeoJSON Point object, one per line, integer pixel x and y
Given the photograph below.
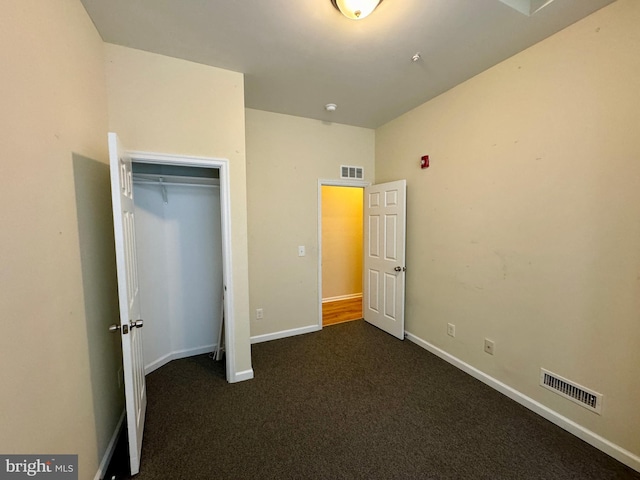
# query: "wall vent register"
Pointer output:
{"type": "Point", "coordinates": [582, 396]}
{"type": "Point", "coordinates": [351, 173]}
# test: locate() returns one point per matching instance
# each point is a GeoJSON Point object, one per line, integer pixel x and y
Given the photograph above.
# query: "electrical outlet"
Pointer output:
{"type": "Point", "coordinates": [488, 346]}
{"type": "Point", "coordinates": [451, 329]}
{"type": "Point", "coordinates": [259, 314]}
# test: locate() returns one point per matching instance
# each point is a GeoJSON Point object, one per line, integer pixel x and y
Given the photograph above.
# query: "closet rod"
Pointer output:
{"type": "Point", "coordinates": [179, 184]}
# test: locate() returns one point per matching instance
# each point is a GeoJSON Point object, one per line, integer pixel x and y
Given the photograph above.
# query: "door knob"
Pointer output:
{"type": "Point", "coordinates": [398, 269]}
{"type": "Point", "coordinates": [136, 324]}
{"type": "Point", "coordinates": [114, 328]}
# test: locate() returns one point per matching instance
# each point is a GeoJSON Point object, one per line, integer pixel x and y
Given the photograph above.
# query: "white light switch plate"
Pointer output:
{"type": "Point", "coordinates": [301, 251]}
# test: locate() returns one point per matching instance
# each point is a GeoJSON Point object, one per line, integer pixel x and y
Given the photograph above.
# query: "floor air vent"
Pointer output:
{"type": "Point", "coordinates": [574, 392]}
{"type": "Point", "coordinates": [350, 172]}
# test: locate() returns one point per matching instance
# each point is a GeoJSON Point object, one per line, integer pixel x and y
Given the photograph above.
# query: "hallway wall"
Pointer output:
{"type": "Point", "coordinates": [342, 236]}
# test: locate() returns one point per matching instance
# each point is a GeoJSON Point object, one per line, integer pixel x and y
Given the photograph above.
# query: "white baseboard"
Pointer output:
{"type": "Point", "coordinates": [610, 448]}
{"type": "Point", "coordinates": [111, 447]}
{"type": "Point", "coordinates": [342, 297]}
{"type": "Point", "coordinates": [242, 376]}
{"type": "Point", "coordinates": [189, 352]}
{"type": "Point", "coordinates": [285, 333]}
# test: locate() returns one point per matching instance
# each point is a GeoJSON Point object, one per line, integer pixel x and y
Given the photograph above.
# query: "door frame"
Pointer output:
{"type": "Point", "coordinates": [222, 164]}
{"type": "Point", "coordinates": [330, 183]}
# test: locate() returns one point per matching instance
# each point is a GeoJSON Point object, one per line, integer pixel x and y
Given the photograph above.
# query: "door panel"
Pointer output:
{"type": "Point", "coordinates": [384, 289]}
{"type": "Point", "coordinates": [390, 241]}
{"type": "Point", "coordinates": [373, 289]}
{"type": "Point", "coordinates": [374, 236]}
{"type": "Point", "coordinates": [128, 297]}
{"type": "Point", "coordinates": [390, 288]}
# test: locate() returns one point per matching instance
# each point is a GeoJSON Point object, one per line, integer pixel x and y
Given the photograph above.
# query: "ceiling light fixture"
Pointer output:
{"type": "Point", "coordinates": [330, 107]}
{"type": "Point", "coordinates": [527, 7]}
{"type": "Point", "coordinates": [356, 9]}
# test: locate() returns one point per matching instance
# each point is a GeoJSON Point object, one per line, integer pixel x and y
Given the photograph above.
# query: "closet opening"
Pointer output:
{"type": "Point", "coordinates": [179, 248]}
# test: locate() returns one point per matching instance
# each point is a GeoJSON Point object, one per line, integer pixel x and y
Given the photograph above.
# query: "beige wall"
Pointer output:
{"type": "Point", "coordinates": [526, 227]}
{"type": "Point", "coordinates": [165, 105]}
{"type": "Point", "coordinates": [341, 241]}
{"type": "Point", "coordinates": [286, 156]}
{"type": "Point", "coordinates": [59, 363]}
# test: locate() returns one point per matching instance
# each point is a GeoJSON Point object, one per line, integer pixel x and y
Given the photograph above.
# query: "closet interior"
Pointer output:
{"type": "Point", "coordinates": [179, 249]}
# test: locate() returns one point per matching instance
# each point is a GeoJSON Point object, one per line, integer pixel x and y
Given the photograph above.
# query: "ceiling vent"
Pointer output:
{"type": "Point", "coordinates": [527, 7]}
{"type": "Point", "coordinates": [582, 396]}
{"type": "Point", "coordinates": [351, 173]}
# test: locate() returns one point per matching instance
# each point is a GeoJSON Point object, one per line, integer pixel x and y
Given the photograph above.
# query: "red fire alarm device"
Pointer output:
{"type": "Point", "coordinates": [424, 161]}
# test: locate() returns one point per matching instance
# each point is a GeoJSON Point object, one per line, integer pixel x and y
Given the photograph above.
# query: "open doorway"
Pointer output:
{"type": "Point", "coordinates": [341, 240]}
{"type": "Point", "coordinates": [198, 190]}
{"type": "Point", "coordinates": [179, 252]}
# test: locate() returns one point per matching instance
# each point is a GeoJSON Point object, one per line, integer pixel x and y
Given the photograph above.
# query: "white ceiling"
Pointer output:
{"type": "Point", "coordinates": [298, 55]}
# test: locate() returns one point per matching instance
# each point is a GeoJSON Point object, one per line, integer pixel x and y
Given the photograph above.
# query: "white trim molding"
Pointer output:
{"type": "Point", "coordinates": [227, 255]}
{"type": "Point", "coordinates": [284, 334]}
{"type": "Point", "coordinates": [176, 355]}
{"type": "Point", "coordinates": [342, 297]}
{"type": "Point", "coordinates": [592, 438]}
{"type": "Point", "coordinates": [242, 376]}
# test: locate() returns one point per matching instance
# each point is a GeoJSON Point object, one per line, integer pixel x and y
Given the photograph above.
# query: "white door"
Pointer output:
{"type": "Point", "coordinates": [130, 327]}
{"type": "Point", "coordinates": [385, 207]}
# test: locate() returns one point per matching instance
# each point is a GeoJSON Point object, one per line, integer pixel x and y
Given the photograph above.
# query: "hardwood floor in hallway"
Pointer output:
{"type": "Point", "coordinates": [341, 311]}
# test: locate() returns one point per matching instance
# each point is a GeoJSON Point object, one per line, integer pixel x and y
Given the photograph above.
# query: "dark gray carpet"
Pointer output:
{"type": "Point", "coordinates": [350, 402]}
